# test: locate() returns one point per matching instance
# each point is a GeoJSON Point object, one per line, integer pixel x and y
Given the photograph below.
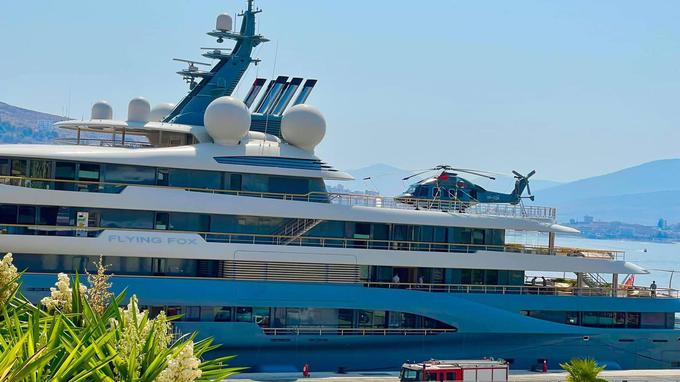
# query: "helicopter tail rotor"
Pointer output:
{"type": "Point", "coordinates": [523, 180]}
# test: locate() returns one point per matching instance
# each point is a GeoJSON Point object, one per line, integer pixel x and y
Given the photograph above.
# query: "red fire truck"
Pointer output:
{"type": "Point", "coordinates": [487, 370]}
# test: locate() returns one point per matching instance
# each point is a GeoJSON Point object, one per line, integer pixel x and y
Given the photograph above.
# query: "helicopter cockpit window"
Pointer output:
{"type": "Point", "coordinates": [423, 192]}
{"type": "Point", "coordinates": [411, 189]}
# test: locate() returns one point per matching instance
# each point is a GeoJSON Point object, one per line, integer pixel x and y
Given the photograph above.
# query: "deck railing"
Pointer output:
{"type": "Point", "coordinates": [530, 290]}
{"type": "Point", "coordinates": [324, 242]}
{"type": "Point", "coordinates": [321, 331]}
{"type": "Point", "coordinates": [373, 201]}
{"type": "Point", "coordinates": [104, 142]}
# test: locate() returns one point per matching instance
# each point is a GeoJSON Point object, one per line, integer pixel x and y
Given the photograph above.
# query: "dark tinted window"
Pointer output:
{"type": "Point", "coordinates": [116, 173]}
{"type": "Point", "coordinates": [8, 214]}
{"type": "Point", "coordinates": [127, 219]}
{"type": "Point", "coordinates": [19, 167]}
{"type": "Point", "coordinates": [189, 222]}
{"type": "Point", "coordinates": [287, 185]}
{"type": "Point", "coordinates": [26, 215]}
{"type": "Point", "coordinates": [88, 172]}
{"type": "Point", "coordinates": [4, 166]}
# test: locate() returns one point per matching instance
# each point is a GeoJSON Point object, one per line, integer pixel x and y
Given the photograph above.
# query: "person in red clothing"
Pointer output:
{"type": "Point", "coordinates": [305, 371]}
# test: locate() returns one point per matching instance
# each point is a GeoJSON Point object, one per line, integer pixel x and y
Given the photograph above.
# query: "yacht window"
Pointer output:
{"type": "Point", "coordinates": [244, 314]}
{"type": "Point", "coordinates": [4, 166]}
{"type": "Point", "coordinates": [116, 173]}
{"type": "Point", "coordinates": [261, 316]}
{"type": "Point", "coordinates": [26, 215]}
{"type": "Point", "coordinates": [254, 183]}
{"type": "Point", "coordinates": [88, 172]}
{"type": "Point", "coordinates": [195, 179]}
{"type": "Point", "coordinates": [19, 167]}
{"type": "Point", "coordinates": [223, 314]}
{"type": "Point", "coordinates": [8, 214]}
{"type": "Point", "coordinates": [48, 216]}
{"type": "Point", "coordinates": [163, 177]}
{"type": "Point", "coordinates": [189, 222]}
{"type": "Point", "coordinates": [288, 185]}
{"type": "Point", "coordinates": [162, 220]}
{"type": "Point", "coordinates": [127, 219]}
{"type": "Point", "coordinates": [65, 171]}
{"type": "Point", "coordinates": [235, 181]}
{"type": "Point", "coordinates": [41, 169]}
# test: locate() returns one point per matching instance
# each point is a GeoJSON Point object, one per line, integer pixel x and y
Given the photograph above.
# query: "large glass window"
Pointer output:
{"type": "Point", "coordinates": [26, 215]}
{"type": "Point", "coordinates": [189, 222]}
{"type": "Point", "coordinates": [4, 166]}
{"type": "Point", "coordinates": [118, 173]}
{"type": "Point", "coordinates": [8, 214]}
{"type": "Point", "coordinates": [19, 167]}
{"type": "Point", "coordinates": [254, 183]}
{"type": "Point", "coordinates": [288, 185]}
{"type": "Point", "coordinates": [127, 219]}
{"type": "Point", "coordinates": [194, 179]}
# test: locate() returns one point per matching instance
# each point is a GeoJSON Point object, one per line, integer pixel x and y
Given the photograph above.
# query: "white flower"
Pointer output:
{"type": "Point", "coordinates": [135, 331]}
{"type": "Point", "coordinates": [182, 368]}
{"type": "Point", "coordinates": [61, 297]}
{"type": "Point", "coordinates": [8, 278]}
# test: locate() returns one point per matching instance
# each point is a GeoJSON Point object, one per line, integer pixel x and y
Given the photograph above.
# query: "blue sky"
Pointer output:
{"type": "Point", "coordinates": [571, 88]}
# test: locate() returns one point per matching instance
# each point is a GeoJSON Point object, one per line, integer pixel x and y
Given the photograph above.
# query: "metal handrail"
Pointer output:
{"type": "Point", "coordinates": [352, 331]}
{"type": "Point", "coordinates": [347, 199]}
{"type": "Point", "coordinates": [334, 242]}
{"type": "Point", "coordinates": [103, 142]}
{"type": "Point", "coordinates": [550, 290]}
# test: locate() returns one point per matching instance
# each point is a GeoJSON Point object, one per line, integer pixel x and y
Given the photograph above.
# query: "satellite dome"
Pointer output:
{"type": "Point", "coordinates": [102, 110]}
{"type": "Point", "coordinates": [227, 120]}
{"type": "Point", "coordinates": [139, 110]}
{"type": "Point", "coordinates": [303, 126]}
{"type": "Point", "coordinates": [159, 112]}
{"type": "Point", "coordinates": [224, 23]}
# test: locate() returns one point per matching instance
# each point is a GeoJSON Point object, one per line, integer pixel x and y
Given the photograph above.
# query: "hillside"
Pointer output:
{"type": "Point", "coordinates": [641, 194]}
{"type": "Point", "coordinates": [19, 125]}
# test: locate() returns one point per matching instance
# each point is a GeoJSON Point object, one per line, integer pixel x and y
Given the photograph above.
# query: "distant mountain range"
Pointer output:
{"type": "Point", "coordinates": [641, 194]}
{"type": "Point", "coordinates": [19, 125]}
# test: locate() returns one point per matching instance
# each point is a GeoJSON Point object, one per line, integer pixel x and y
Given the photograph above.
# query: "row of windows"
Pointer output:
{"type": "Point", "coordinates": [443, 276]}
{"type": "Point", "coordinates": [303, 317]}
{"type": "Point", "coordinates": [211, 268]}
{"type": "Point", "coordinates": [144, 175]}
{"type": "Point", "coordinates": [645, 320]}
{"type": "Point", "coordinates": [109, 218]}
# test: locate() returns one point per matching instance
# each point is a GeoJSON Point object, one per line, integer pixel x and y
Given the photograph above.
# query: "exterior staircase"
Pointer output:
{"type": "Point", "coordinates": [594, 280]}
{"type": "Point", "coordinates": [293, 229]}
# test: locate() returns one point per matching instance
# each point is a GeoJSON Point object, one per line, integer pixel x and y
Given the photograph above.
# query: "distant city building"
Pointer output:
{"type": "Point", "coordinates": [588, 219]}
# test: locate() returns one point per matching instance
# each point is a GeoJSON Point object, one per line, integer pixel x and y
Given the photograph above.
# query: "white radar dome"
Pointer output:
{"type": "Point", "coordinates": [227, 120]}
{"type": "Point", "coordinates": [224, 23]}
{"type": "Point", "coordinates": [303, 126]}
{"type": "Point", "coordinates": [159, 112]}
{"type": "Point", "coordinates": [139, 110]}
{"type": "Point", "coordinates": [102, 110]}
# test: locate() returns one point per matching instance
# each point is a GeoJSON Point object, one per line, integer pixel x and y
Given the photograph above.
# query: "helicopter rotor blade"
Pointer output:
{"type": "Point", "coordinates": [517, 174]}
{"type": "Point", "coordinates": [416, 174]}
{"type": "Point", "coordinates": [529, 175]}
{"type": "Point", "coordinates": [474, 172]}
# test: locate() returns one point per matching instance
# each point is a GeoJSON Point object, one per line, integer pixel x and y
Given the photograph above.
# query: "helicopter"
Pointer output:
{"type": "Point", "coordinates": [449, 187]}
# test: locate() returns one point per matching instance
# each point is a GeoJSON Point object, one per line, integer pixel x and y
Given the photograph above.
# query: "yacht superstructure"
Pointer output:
{"type": "Point", "coordinates": [217, 209]}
